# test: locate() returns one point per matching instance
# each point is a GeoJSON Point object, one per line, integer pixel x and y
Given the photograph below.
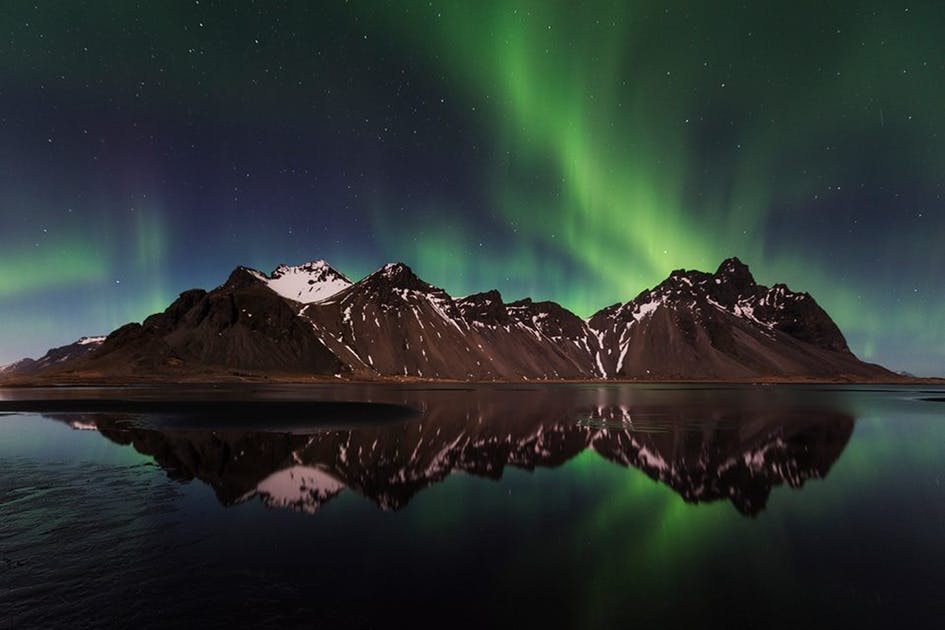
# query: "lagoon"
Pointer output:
{"type": "Point", "coordinates": [592, 506]}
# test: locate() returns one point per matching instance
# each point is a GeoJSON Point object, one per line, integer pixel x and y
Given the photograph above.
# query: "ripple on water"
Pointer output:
{"type": "Point", "coordinates": [85, 544]}
{"type": "Point", "coordinates": [73, 532]}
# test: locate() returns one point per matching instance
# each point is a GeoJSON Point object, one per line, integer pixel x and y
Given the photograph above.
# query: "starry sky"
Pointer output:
{"type": "Point", "coordinates": [575, 151]}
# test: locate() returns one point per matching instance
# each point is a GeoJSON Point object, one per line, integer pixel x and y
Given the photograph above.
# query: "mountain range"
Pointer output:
{"type": "Point", "coordinates": [312, 321]}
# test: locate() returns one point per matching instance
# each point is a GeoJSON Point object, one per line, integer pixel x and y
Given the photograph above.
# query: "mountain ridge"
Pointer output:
{"type": "Point", "coordinates": [312, 320]}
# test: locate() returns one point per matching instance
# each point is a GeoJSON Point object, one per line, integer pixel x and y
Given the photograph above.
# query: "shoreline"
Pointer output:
{"type": "Point", "coordinates": [24, 382]}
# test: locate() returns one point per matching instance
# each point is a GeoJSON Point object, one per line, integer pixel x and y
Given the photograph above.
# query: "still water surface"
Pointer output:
{"type": "Point", "coordinates": [545, 506]}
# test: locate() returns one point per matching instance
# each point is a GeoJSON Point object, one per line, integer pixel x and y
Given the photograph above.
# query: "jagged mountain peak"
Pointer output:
{"type": "Point", "coordinates": [485, 297]}
{"type": "Point", "coordinates": [536, 305]}
{"type": "Point", "coordinates": [397, 270]}
{"type": "Point", "coordinates": [486, 307]}
{"type": "Point", "coordinates": [551, 319]}
{"type": "Point", "coordinates": [734, 271]}
{"type": "Point", "coordinates": [243, 277]}
{"type": "Point", "coordinates": [731, 284]}
{"type": "Point", "coordinates": [679, 282]}
{"type": "Point", "coordinates": [398, 275]}
{"type": "Point", "coordinates": [733, 264]}
{"type": "Point", "coordinates": [782, 290]}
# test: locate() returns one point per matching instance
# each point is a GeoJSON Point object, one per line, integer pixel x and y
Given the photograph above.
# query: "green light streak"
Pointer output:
{"type": "Point", "coordinates": [88, 282]}
{"type": "Point", "coordinates": [61, 264]}
{"type": "Point", "coordinates": [569, 116]}
{"type": "Point", "coordinates": [149, 255]}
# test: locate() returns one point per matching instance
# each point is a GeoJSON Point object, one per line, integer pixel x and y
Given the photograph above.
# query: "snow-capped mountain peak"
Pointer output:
{"type": "Point", "coordinates": [307, 283]}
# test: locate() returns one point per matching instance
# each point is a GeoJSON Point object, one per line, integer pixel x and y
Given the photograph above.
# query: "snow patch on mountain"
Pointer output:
{"type": "Point", "coordinates": [312, 282]}
{"type": "Point", "coordinates": [644, 310]}
{"type": "Point", "coordinates": [80, 425]}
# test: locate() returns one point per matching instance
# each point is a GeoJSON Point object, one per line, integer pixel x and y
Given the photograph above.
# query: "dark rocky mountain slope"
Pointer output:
{"type": "Point", "coordinates": [723, 326]}
{"type": "Point", "coordinates": [240, 325]}
{"type": "Point", "coordinates": [310, 320]}
{"type": "Point", "coordinates": [394, 323]}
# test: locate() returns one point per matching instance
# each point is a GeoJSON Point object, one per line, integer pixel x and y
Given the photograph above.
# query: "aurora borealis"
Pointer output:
{"type": "Point", "coordinates": [569, 151]}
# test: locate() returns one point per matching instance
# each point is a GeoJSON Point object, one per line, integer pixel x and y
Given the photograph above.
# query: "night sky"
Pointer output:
{"type": "Point", "coordinates": [569, 151]}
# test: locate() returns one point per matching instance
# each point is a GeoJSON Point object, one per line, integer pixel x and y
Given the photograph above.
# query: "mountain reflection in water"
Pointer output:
{"type": "Point", "coordinates": [704, 449]}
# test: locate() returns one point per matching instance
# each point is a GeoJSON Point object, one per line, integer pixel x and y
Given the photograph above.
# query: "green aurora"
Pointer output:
{"type": "Point", "coordinates": [569, 151]}
{"type": "Point", "coordinates": [674, 136]}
